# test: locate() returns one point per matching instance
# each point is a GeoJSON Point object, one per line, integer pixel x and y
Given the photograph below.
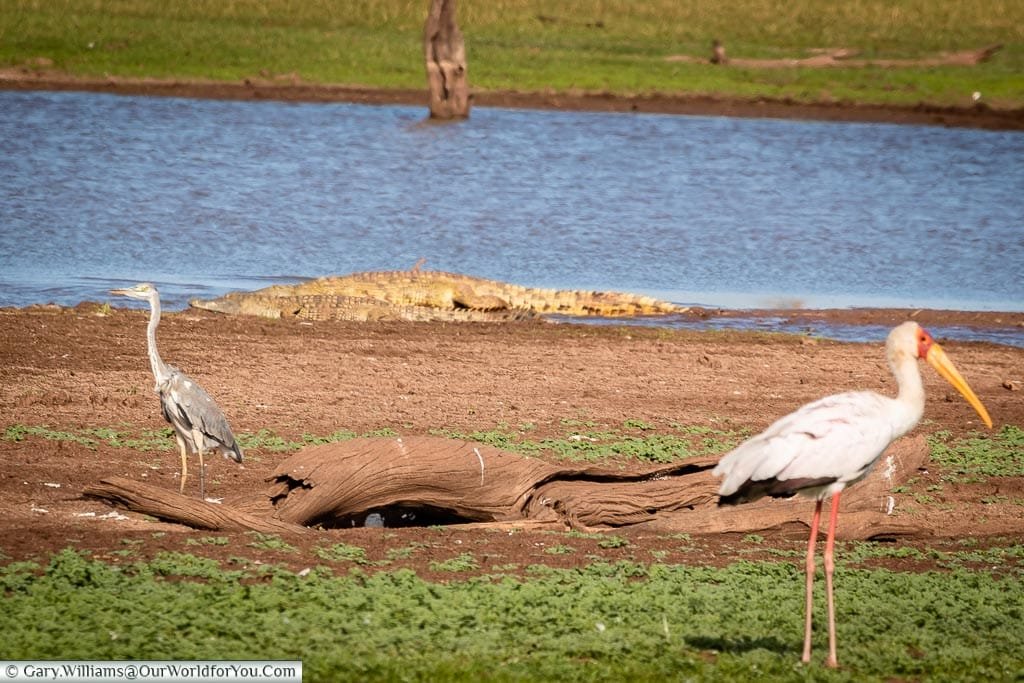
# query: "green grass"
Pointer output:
{"type": "Point", "coordinates": [597, 443]}
{"type": "Point", "coordinates": [208, 540]}
{"type": "Point", "coordinates": [1006, 558]}
{"type": "Point", "coordinates": [91, 437]}
{"type": "Point", "coordinates": [270, 542]}
{"type": "Point", "coordinates": [980, 455]}
{"type": "Point", "coordinates": [464, 562]}
{"type": "Point", "coordinates": [601, 622]}
{"type": "Point", "coordinates": [163, 439]}
{"type": "Point", "coordinates": [342, 552]}
{"type": "Point", "coordinates": [595, 45]}
{"type": "Point", "coordinates": [559, 549]}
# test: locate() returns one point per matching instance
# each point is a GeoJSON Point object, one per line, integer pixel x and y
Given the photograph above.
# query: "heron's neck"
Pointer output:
{"type": "Point", "coordinates": [160, 370]}
{"type": "Point", "coordinates": [911, 392]}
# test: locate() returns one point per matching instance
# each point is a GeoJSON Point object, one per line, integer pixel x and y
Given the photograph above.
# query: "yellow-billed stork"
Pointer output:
{"type": "Point", "coordinates": [823, 447]}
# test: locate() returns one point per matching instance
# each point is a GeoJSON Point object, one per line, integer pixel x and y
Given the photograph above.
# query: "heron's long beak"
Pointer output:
{"type": "Point", "coordinates": [938, 359]}
{"type": "Point", "coordinates": [122, 292]}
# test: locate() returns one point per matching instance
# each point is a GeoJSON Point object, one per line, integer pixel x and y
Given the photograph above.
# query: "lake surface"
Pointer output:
{"type": "Point", "coordinates": [205, 196]}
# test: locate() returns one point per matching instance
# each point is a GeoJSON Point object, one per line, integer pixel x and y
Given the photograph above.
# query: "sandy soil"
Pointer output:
{"type": "Point", "coordinates": [86, 367]}
{"type": "Point", "coordinates": [978, 115]}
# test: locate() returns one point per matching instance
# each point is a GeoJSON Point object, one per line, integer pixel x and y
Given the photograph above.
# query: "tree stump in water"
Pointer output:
{"type": "Point", "coordinates": [445, 55]}
{"type": "Point", "coordinates": [431, 480]}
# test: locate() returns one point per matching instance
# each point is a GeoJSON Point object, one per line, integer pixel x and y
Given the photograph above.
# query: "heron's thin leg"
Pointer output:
{"type": "Point", "coordinates": [815, 520]}
{"type": "Point", "coordinates": [184, 462]}
{"type": "Point", "coordinates": [202, 476]}
{"type": "Point", "coordinates": [830, 566]}
{"type": "Point", "coordinates": [197, 437]}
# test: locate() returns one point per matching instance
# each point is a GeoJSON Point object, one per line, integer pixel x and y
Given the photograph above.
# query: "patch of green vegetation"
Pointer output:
{"type": "Point", "coordinates": [270, 542]}
{"type": "Point", "coordinates": [17, 576]}
{"type": "Point", "coordinates": [573, 422]}
{"type": "Point", "coordinates": [1002, 558]}
{"type": "Point", "coordinates": [91, 437]}
{"type": "Point", "coordinates": [980, 454]}
{"type": "Point", "coordinates": [208, 540]}
{"type": "Point", "coordinates": [163, 439]}
{"type": "Point", "coordinates": [609, 542]}
{"type": "Point", "coordinates": [856, 552]}
{"type": "Point", "coordinates": [600, 622]}
{"type": "Point", "coordinates": [461, 563]}
{"type": "Point", "coordinates": [575, 533]}
{"type": "Point", "coordinates": [1008, 558]}
{"type": "Point", "coordinates": [342, 552]}
{"type": "Point", "coordinates": [595, 444]}
{"type": "Point", "coordinates": [560, 549]}
{"type": "Point", "coordinates": [403, 553]}
{"type": "Point", "coordinates": [165, 564]}
{"type": "Point", "coordinates": [267, 440]}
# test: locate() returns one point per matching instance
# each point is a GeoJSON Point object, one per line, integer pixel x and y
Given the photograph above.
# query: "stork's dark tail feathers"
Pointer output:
{"type": "Point", "coordinates": [752, 490]}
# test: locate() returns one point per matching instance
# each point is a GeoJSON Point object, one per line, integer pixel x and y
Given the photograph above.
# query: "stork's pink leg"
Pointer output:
{"type": "Point", "coordinates": [830, 566]}
{"type": "Point", "coordinates": [810, 580]}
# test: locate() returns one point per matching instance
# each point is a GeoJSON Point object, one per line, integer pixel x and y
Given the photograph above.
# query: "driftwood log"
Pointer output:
{"type": "Point", "coordinates": [445, 57]}
{"type": "Point", "coordinates": [432, 480]}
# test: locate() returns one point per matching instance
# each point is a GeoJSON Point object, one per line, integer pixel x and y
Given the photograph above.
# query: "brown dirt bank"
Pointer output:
{"type": "Point", "coordinates": [978, 116]}
{"type": "Point", "coordinates": [79, 368]}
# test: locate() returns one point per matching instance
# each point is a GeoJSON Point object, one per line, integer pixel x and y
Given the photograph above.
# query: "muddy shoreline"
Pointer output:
{"type": "Point", "coordinates": [978, 116]}
{"type": "Point", "coordinates": [1003, 322]}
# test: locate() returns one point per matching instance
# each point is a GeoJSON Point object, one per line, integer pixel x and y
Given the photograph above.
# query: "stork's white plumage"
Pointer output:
{"type": "Point", "coordinates": [823, 447]}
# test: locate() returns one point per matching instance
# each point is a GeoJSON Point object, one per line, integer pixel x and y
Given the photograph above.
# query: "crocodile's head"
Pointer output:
{"type": "Point", "coordinates": [221, 305]}
{"type": "Point", "coordinates": [238, 305]}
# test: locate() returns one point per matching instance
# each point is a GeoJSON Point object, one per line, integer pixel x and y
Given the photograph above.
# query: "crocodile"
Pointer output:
{"type": "Point", "coordinates": [355, 308]}
{"type": "Point", "coordinates": [450, 292]}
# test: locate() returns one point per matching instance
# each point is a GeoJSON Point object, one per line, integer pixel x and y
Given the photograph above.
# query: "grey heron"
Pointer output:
{"type": "Point", "coordinates": [199, 424]}
{"type": "Point", "coordinates": [833, 442]}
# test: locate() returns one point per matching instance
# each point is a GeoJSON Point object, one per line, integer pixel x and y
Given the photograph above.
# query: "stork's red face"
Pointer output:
{"type": "Point", "coordinates": [937, 358]}
{"type": "Point", "coordinates": [924, 342]}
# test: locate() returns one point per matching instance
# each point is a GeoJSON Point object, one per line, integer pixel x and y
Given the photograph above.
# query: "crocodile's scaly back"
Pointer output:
{"type": "Point", "coordinates": [361, 309]}
{"type": "Point", "coordinates": [440, 291]}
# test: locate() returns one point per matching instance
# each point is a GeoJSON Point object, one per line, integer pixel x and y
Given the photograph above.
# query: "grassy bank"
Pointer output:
{"type": "Point", "coordinates": [603, 621]}
{"type": "Point", "coordinates": [591, 45]}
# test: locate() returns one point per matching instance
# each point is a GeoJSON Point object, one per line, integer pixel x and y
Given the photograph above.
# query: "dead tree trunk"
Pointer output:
{"type": "Point", "coordinates": [430, 480]}
{"type": "Point", "coordinates": [172, 506]}
{"type": "Point", "coordinates": [445, 55]}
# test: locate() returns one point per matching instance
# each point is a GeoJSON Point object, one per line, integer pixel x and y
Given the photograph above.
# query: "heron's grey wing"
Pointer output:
{"type": "Point", "coordinates": [834, 439]}
{"type": "Point", "coordinates": [190, 406]}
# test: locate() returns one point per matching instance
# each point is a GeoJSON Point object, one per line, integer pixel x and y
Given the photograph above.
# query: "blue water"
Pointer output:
{"type": "Point", "coordinates": [205, 196]}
